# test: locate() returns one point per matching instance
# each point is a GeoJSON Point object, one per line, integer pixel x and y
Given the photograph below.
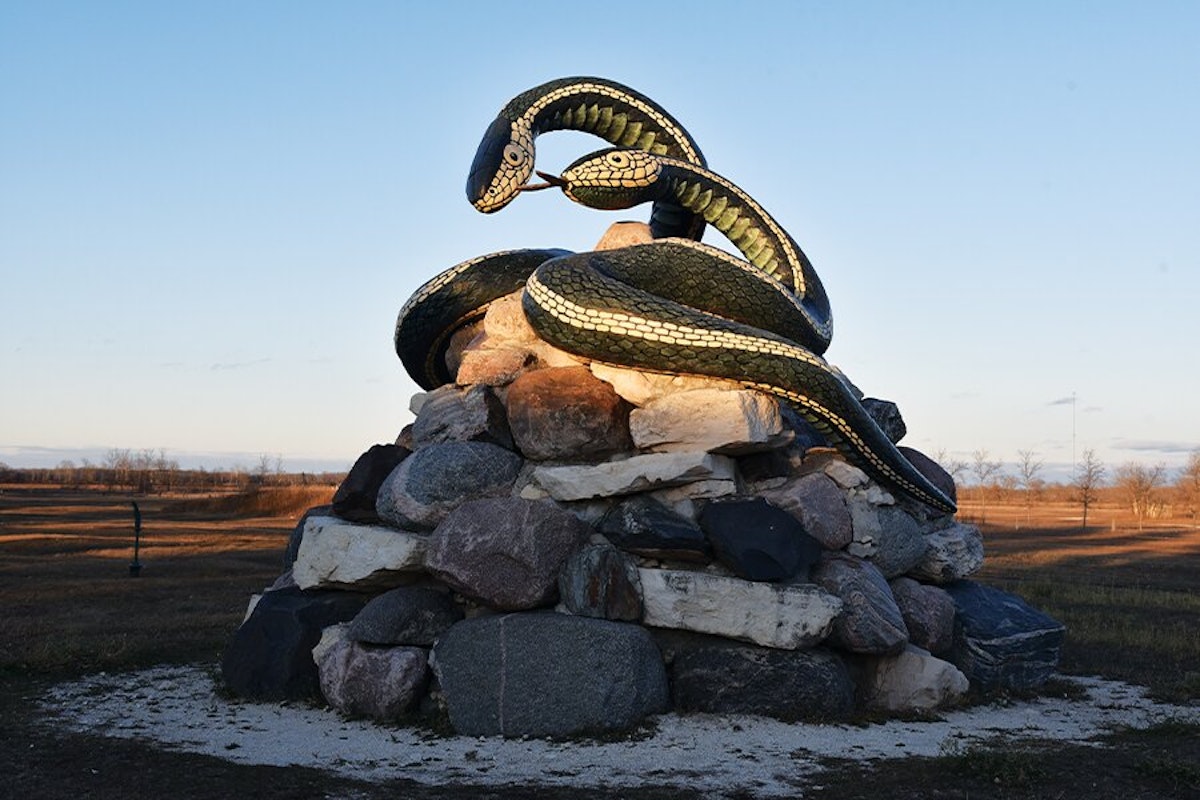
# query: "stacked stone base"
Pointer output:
{"type": "Point", "coordinates": [556, 548]}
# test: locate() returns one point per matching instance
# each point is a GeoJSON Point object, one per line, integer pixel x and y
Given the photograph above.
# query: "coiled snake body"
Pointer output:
{"type": "Point", "coordinates": [676, 305]}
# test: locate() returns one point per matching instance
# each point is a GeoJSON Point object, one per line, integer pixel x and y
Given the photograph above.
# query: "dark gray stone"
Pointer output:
{"type": "Point", "coordinates": [601, 581]}
{"type": "Point", "coordinates": [900, 545]}
{"type": "Point", "coordinates": [355, 498]}
{"type": "Point", "coordinates": [758, 541]}
{"type": "Point", "coordinates": [270, 655]}
{"type": "Point", "coordinates": [410, 615]}
{"type": "Point", "coordinates": [380, 683]}
{"type": "Point", "coordinates": [648, 528]}
{"type": "Point", "coordinates": [870, 621]}
{"type": "Point", "coordinates": [887, 416]}
{"type": "Point", "coordinates": [928, 614]}
{"type": "Point", "coordinates": [723, 678]}
{"type": "Point", "coordinates": [1000, 641]}
{"type": "Point", "coordinates": [436, 479]}
{"type": "Point", "coordinates": [505, 552]}
{"type": "Point", "coordinates": [461, 414]}
{"type": "Point", "coordinates": [943, 480]}
{"type": "Point", "coordinates": [548, 675]}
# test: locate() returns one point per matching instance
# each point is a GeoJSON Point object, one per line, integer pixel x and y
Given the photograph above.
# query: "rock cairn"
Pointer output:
{"type": "Point", "coordinates": [555, 547]}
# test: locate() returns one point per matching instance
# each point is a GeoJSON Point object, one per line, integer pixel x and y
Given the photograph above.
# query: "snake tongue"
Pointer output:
{"type": "Point", "coordinates": [550, 181]}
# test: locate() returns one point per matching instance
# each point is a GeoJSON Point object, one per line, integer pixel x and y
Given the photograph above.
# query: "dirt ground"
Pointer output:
{"type": "Point", "coordinates": [70, 608]}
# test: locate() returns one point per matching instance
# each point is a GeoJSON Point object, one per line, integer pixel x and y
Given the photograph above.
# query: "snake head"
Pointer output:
{"type": "Point", "coordinates": [502, 165]}
{"type": "Point", "coordinates": [612, 179]}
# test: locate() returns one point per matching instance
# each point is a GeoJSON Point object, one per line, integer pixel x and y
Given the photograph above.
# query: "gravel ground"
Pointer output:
{"type": "Point", "coordinates": [179, 709]}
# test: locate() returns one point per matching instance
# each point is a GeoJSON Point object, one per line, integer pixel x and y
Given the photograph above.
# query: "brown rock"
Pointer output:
{"type": "Point", "coordinates": [928, 613]}
{"type": "Point", "coordinates": [624, 234]}
{"type": "Point", "coordinates": [566, 413]}
{"type": "Point", "coordinates": [494, 366]}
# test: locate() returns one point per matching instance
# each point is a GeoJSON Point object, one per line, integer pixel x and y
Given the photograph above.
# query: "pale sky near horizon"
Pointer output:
{"type": "Point", "coordinates": [210, 213]}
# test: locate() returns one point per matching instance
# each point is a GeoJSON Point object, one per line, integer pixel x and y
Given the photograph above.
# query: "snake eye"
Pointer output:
{"type": "Point", "coordinates": [514, 155]}
{"type": "Point", "coordinates": [618, 160]}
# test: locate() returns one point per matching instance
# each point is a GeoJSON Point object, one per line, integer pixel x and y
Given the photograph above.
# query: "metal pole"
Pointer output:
{"type": "Point", "coordinates": [135, 567]}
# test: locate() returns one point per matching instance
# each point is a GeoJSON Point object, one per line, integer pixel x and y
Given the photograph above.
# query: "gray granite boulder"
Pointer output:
{"type": "Point", "coordinates": [951, 554]}
{"type": "Point", "coordinates": [887, 416]}
{"type": "Point", "coordinates": [900, 545]}
{"type": "Point", "coordinates": [381, 683]}
{"type": "Point", "coordinates": [870, 621]}
{"type": "Point", "coordinates": [1000, 641]}
{"type": "Point", "coordinates": [355, 497]}
{"type": "Point", "coordinates": [928, 614]}
{"type": "Point", "coordinates": [567, 414]}
{"type": "Point", "coordinates": [758, 541]}
{"type": "Point", "coordinates": [723, 678]}
{"type": "Point", "coordinates": [270, 655]}
{"type": "Point", "coordinates": [505, 552]}
{"type": "Point", "coordinates": [548, 674]}
{"type": "Point", "coordinates": [601, 581]}
{"type": "Point", "coordinates": [648, 528]}
{"type": "Point", "coordinates": [436, 479]}
{"type": "Point", "coordinates": [459, 414]}
{"type": "Point", "coordinates": [410, 615]}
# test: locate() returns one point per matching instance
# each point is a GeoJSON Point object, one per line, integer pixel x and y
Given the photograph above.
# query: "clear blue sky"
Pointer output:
{"type": "Point", "coordinates": [210, 213]}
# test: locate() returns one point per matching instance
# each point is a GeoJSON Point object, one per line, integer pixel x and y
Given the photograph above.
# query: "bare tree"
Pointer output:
{"type": "Point", "coordinates": [985, 471]}
{"type": "Point", "coordinates": [1137, 483]}
{"type": "Point", "coordinates": [1188, 487]}
{"type": "Point", "coordinates": [1088, 478]}
{"type": "Point", "coordinates": [1028, 467]}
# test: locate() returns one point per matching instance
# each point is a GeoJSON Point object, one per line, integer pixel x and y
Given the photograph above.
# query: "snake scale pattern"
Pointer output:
{"type": "Point", "coordinates": [676, 305]}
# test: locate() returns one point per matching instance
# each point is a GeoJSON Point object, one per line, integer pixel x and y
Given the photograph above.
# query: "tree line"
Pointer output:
{"type": "Point", "coordinates": [153, 472]}
{"type": "Point", "coordinates": [1145, 490]}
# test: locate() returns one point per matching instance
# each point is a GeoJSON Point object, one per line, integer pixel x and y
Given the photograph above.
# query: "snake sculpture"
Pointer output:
{"type": "Point", "coordinates": [675, 305]}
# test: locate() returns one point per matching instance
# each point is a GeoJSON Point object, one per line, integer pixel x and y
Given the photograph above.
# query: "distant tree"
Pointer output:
{"type": "Point", "coordinates": [1187, 485]}
{"type": "Point", "coordinates": [1088, 478]}
{"type": "Point", "coordinates": [985, 471]}
{"type": "Point", "coordinates": [1137, 483]}
{"type": "Point", "coordinates": [1028, 468]}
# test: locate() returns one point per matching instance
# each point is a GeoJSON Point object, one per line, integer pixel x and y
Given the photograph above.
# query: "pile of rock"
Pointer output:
{"type": "Point", "coordinates": [554, 547]}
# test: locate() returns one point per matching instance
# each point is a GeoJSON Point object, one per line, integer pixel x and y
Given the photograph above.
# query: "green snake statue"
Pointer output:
{"type": "Point", "coordinates": [675, 305]}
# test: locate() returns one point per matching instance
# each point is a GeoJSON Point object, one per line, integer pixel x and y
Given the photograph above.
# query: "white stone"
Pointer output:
{"type": "Point", "coordinates": [912, 681]}
{"type": "Point", "coordinates": [772, 615]}
{"type": "Point", "coordinates": [339, 554]}
{"type": "Point", "coordinates": [637, 474]}
{"type": "Point", "coordinates": [735, 422]}
{"type": "Point", "coordinates": [624, 234]}
{"type": "Point", "coordinates": [505, 323]}
{"type": "Point", "coordinates": [640, 388]}
{"type": "Point", "coordinates": [874, 494]}
{"type": "Point", "coordinates": [550, 356]}
{"type": "Point", "coordinates": [845, 475]}
{"type": "Point", "coordinates": [953, 553]}
{"type": "Point", "coordinates": [867, 530]}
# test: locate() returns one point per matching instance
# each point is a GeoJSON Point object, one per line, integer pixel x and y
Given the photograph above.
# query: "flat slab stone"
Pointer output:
{"type": "Point", "coordinates": [636, 474]}
{"type": "Point", "coordinates": [735, 422]}
{"type": "Point", "coordinates": [544, 674]}
{"type": "Point", "coordinates": [343, 555]}
{"type": "Point", "coordinates": [787, 617]}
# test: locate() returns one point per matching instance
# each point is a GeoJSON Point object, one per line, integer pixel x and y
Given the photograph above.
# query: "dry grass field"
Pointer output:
{"type": "Point", "coordinates": [71, 607]}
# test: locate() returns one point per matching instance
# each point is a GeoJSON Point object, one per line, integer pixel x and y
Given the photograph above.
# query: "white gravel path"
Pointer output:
{"type": "Point", "coordinates": [716, 754]}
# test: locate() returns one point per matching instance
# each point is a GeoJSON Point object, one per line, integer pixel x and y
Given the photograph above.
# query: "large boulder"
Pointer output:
{"type": "Point", "coordinates": [717, 420]}
{"type": "Point", "coordinates": [548, 675]}
{"type": "Point", "coordinates": [928, 614]}
{"type": "Point", "coordinates": [380, 683]}
{"type": "Point", "coordinates": [772, 615]}
{"type": "Point", "coordinates": [505, 552]}
{"type": "Point", "coordinates": [567, 414]}
{"type": "Point", "coordinates": [409, 615]}
{"type": "Point", "coordinates": [820, 506]}
{"type": "Point", "coordinates": [355, 497]}
{"type": "Point", "coordinates": [336, 554]}
{"type": "Point", "coordinates": [887, 416]}
{"type": "Point", "coordinates": [270, 655]}
{"type": "Point", "coordinates": [723, 678]}
{"type": "Point", "coordinates": [951, 554]}
{"type": "Point", "coordinates": [870, 621]}
{"type": "Point", "coordinates": [900, 545]}
{"type": "Point", "coordinates": [439, 478]}
{"type": "Point", "coordinates": [1000, 641]}
{"type": "Point", "coordinates": [910, 682]}
{"type": "Point", "coordinates": [636, 474]}
{"type": "Point", "coordinates": [758, 541]}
